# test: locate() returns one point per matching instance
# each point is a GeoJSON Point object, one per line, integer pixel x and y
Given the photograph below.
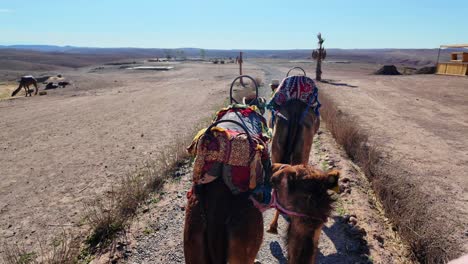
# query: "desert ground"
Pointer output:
{"type": "Point", "coordinates": [61, 150]}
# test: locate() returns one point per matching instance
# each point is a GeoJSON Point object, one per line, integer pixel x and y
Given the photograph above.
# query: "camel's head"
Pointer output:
{"type": "Point", "coordinates": [305, 190]}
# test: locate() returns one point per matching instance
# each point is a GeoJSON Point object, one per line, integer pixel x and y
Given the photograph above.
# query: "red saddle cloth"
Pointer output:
{"type": "Point", "coordinates": [230, 152]}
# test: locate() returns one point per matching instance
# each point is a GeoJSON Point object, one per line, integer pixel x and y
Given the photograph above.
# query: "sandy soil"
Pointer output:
{"type": "Point", "coordinates": [60, 150]}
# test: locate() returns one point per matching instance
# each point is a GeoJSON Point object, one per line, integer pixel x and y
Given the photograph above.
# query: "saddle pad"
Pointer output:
{"type": "Point", "coordinates": [227, 146]}
{"type": "Point", "coordinates": [249, 116]}
{"type": "Point", "coordinates": [299, 87]}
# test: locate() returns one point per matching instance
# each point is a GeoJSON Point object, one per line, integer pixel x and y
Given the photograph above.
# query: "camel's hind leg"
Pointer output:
{"type": "Point", "coordinates": [195, 234]}
{"type": "Point", "coordinates": [35, 86]}
{"type": "Point", "coordinates": [245, 236]}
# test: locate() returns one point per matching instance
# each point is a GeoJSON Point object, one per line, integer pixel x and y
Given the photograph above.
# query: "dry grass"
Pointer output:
{"type": "Point", "coordinates": [6, 89]}
{"type": "Point", "coordinates": [413, 213]}
{"type": "Point", "coordinates": [350, 136]}
{"type": "Point", "coordinates": [113, 213]}
{"type": "Point", "coordinates": [63, 250]}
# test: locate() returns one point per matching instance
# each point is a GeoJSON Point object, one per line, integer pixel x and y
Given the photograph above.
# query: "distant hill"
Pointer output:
{"type": "Point", "coordinates": [16, 57]}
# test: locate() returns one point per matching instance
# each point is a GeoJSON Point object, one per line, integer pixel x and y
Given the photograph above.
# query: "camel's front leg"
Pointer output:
{"type": "Point", "coordinates": [274, 224]}
{"type": "Point", "coordinates": [26, 89]}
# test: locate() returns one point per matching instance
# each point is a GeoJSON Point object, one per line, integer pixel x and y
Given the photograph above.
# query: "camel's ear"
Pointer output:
{"type": "Point", "coordinates": [277, 166]}
{"type": "Point", "coordinates": [333, 176]}
{"type": "Point", "coordinates": [278, 172]}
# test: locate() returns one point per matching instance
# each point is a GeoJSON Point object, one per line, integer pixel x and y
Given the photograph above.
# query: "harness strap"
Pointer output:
{"type": "Point", "coordinates": [313, 100]}
{"type": "Point", "coordinates": [275, 204]}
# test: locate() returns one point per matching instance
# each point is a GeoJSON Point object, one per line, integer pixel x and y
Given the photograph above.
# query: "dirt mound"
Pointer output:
{"type": "Point", "coordinates": [388, 70]}
{"type": "Point", "coordinates": [427, 70]}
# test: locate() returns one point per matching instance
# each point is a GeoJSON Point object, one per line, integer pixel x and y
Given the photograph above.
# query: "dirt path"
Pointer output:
{"type": "Point", "coordinates": [158, 234]}
{"type": "Point", "coordinates": [63, 149]}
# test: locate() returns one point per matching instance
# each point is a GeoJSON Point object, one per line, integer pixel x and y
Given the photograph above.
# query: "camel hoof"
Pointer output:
{"type": "Point", "coordinates": [273, 230]}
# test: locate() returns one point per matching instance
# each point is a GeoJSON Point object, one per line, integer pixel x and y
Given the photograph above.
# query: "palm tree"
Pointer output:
{"type": "Point", "coordinates": [319, 55]}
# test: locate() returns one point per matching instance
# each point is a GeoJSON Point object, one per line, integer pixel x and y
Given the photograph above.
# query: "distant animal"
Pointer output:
{"type": "Point", "coordinates": [302, 193]}
{"type": "Point", "coordinates": [63, 84]}
{"type": "Point", "coordinates": [24, 83]}
{"type": "Point", "coordinates": [51, 85]}
{"type": "Point", "coordinates": [295, 121]}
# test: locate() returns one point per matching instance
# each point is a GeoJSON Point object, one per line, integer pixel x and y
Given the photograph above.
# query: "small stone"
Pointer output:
{"type": "Point", "coordinates": [142, 135]}
{"type": "Point", "coordinates": [345, 180]}
{"type": "Point", "coordinates": [380, 239]}
{"type": "Point", "coordinates": [352, 220]}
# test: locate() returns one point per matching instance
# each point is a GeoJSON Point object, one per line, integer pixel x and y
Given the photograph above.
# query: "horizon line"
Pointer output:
{"type": "Point", "coordinates": [222, 49]}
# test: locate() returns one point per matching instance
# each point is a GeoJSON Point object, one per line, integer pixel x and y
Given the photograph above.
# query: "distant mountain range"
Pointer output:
{"type": "Point", "coordinates": [82, 56]}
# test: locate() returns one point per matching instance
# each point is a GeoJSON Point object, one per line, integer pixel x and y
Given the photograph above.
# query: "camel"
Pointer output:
{"type": "Point", "coordinates": [302, 195]}
{"type": "Point", "coordinates": [295, 121]}
{"type": "Point", "coordinates": [222, 225]}
{"type": "Point", "coordinates": [25, 82]}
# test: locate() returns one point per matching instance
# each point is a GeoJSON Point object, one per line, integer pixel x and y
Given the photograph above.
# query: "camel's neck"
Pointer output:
{"type": "Point", "coordinates": [302, 243]}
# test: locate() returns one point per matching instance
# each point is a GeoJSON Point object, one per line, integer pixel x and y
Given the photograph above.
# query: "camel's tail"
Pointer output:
{"type": "Point", "coordinates": [16, 91]}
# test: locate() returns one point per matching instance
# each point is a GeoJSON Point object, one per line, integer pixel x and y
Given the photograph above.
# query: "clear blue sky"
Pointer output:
{"type": "Point", "coordinates": [254, 24]}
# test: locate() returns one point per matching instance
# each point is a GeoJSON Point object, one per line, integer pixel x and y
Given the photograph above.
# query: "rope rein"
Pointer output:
{"type": "Point", "coordinates": [274, 203]}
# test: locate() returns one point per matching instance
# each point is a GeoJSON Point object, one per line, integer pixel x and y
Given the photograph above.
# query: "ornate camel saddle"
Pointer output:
{"type": "Point", "coordinates": [234, 147]}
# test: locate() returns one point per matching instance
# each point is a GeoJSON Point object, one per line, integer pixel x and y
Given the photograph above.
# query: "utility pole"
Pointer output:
{"type": "Point", "coordinates": [240, 61]}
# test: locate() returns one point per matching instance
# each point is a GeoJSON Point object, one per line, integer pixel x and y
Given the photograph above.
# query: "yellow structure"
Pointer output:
{"type": "Point", "coordinates": [458, 64]}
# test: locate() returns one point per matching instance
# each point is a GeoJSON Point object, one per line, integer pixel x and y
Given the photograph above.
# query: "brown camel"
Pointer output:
{"type": "Point", "coordinates": [302, 192]}
{"type": "Point", "coordinates": [231, 160]}
{"type": "Point", "coordinates": [25, 82]}
{"type": "Point", "coordinates": [221, 227]}
{"type": "Point", "coordinates": [295, 123]}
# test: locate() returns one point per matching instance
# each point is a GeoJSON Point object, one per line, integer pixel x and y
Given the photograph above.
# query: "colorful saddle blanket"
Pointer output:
{"type": "Point", "coordinates": [240, 157]}
{"type": "Point", "coordinates": [299, 87]}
